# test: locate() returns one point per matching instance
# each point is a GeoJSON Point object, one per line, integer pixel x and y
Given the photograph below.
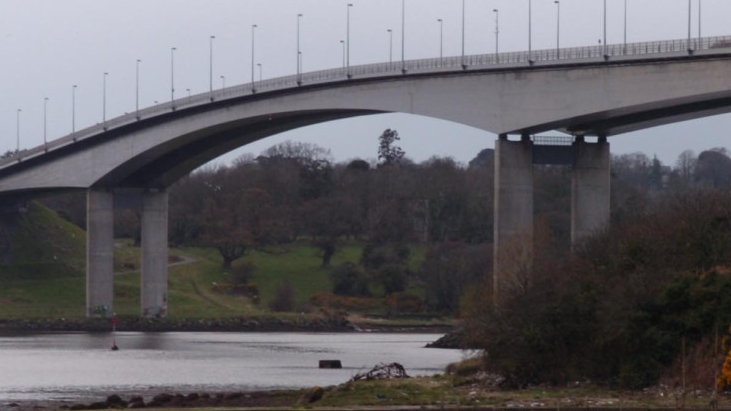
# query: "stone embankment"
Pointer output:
{"type": "Point", "coordinates": [453, 339]}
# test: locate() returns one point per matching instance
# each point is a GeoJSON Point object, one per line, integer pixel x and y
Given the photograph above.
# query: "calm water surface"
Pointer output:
{"type": "Point", "coordinates": [81, 367]}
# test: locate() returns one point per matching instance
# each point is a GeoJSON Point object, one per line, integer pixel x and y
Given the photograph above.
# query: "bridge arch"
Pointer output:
{"type": "Point", "coordinates": [593, 95]}
{"type": "Point", "coordinates": [582, 98]}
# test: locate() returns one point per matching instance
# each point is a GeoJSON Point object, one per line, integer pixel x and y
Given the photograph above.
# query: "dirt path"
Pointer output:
{"type": "Point", "coordinates": [183, 261]}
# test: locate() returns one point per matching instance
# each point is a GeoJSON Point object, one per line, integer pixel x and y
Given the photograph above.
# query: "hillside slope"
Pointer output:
{"type": "Point", "coordinates": [38, 243]}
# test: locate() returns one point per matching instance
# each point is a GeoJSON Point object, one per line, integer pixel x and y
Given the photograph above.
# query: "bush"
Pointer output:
{"type": "Point", "coordinates": [393, 278]}
{"type": "Point", "coordinates": [618, 311]}
{"type": "Point", "coordinates": [451, 268]}
{"type": "Point", "coordinates": [724, 380]}
{"type": "Point", "coordinates": [342, 303]}
{"type": "Point", "coordinates": [376, 256]}
{"type": "Point", "coordinates": [404, 303]}
{"type": "Point", "coordinates": [283, 299]}
{"type": "Point", "coordinates": [348, 280]}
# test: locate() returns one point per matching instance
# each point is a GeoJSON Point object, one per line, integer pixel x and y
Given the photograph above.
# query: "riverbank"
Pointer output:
{"type": "Point", "coordinates": [436, 392]}
{"type": "Point", "coordinates": [291, 323]}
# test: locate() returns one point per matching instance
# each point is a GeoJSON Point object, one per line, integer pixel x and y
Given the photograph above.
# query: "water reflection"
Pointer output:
{"type": "Point", "coordinates": [81, 366]}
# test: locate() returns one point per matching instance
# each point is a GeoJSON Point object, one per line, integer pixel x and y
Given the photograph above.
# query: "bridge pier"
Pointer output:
{"type": "Point", "coordinates": [590, 188]}
{"type": "Point", "coordinates": [99, 253]}
{"type": "Point", "coordinates": [154, 253]}
{"type": "Point", "coordinates": [513, 208]}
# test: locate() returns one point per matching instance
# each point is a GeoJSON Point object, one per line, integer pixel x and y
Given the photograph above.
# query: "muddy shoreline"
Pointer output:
{"type": "Point", "coordinates": [236, 324]}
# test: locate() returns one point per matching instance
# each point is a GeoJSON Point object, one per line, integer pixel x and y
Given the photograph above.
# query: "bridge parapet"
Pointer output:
{"type": "Point", "coordinates": [553, 140]}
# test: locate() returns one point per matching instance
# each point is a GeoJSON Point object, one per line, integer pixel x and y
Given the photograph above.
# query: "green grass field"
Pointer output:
{"type": "Point", "coordinates": [49, 280]}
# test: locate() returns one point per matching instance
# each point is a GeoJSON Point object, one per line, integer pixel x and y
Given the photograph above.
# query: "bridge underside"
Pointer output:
{"type": "Point", "coordinates": [629, 119]}
{"type": "Point", "coordinates": [175, 159]}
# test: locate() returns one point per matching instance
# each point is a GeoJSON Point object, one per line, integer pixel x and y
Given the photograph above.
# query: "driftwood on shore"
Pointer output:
{"type": "Point", "coordinates": [383, 372]}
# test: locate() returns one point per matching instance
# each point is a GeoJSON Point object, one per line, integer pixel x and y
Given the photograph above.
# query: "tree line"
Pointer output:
{"type": "Point", "coordinates": [296, 192]}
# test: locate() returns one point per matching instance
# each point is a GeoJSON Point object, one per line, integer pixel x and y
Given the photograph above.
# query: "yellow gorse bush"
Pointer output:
{"type": "Point", "coordinates": [724, 380]}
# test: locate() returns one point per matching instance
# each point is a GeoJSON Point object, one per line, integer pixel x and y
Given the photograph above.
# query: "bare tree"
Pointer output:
{"type": "Point", "coordinates": [686, 164]}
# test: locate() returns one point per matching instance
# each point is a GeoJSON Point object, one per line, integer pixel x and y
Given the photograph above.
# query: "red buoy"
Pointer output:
{"type": "Point", "coordinates": [114, 332]}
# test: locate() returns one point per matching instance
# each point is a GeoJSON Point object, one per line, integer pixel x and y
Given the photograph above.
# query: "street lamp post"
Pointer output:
{"type": "Point", "coordinates": [299, 52]}
{"type": "Point", "coordinates": [441, 38]}
{"type": "Point", "coordinates": [390, 45]}
{"type": "Point", "coordinates": [104, 99]}
{"type": "Point", "coordinates": [210, 71]}
{"type": "Point", "coordinates": [624, 49]}
{"type": "Point", "coordinates": [342, 43]}
{"type": "Point", "coordinates": [530, 31]}
{"type": "Point", "coordinates": [253, 44]}
{"type": "Point", "coordinates": [347, 39]}
{"type": "Point", "coordinates": [137, 89]}
{"type": "Point", "coordinates": [690, 12]}
{"type": "Point", "coordinates": [606, 54]}
{"type": "Point", "coordinates": [17, 124]}
{"type": "Point", "coordinates": [172, 76]}
{"type": "Point", "coordinates": [261, 76]}
{"type": "Point", "coordinates": [558, 28]}
{"type": "Point", "coordinates": [73, 110]}
{"type": "Point", "coordinates": [188, 90]}
{"type": "Point", "coordinates": [464, 66]}
{"type": "Point", "coordinates": [45, 121]}
{"type": "Point", "coordinates": [403, 36]}
{"type": "Point", "coordinates": [497, 34]}
{"type": "Point", "coordinates": [223, 82]}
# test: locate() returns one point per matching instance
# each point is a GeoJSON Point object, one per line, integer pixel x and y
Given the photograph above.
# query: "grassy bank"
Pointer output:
{"type": "Point", "coordinates": [454, 392]}
{"type": "Point", "coordinates": [442, 392]}
{"type": "Point", "coordinates": [47, 280]}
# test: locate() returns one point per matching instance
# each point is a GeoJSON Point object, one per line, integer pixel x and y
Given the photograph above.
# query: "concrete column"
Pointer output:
{"type": "Point", "coordinates": [154, 254]}
{"type": "Point", "coordinates": [590, 189]}
{"type": "Point", "coordinates": [513, 235]}
{"type": "Point", "coordinates": [99, 253]}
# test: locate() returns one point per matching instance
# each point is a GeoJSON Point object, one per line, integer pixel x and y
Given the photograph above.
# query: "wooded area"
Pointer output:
{"type": "Point", "coordinates": [618, 310]}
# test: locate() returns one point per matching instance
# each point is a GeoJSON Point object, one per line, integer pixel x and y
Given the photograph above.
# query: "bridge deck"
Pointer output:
{"type": "Point", "coordinates": [599, 54]}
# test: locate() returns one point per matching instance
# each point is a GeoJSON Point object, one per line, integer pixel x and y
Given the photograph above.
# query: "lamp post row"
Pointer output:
{"type": "Point", "coordinates": [346, 54]}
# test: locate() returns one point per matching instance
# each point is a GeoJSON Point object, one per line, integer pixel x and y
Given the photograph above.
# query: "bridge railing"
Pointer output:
{"type": "Point", "coordinates": [481, 61]}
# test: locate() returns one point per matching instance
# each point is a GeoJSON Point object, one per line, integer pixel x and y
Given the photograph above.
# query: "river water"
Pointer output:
{"type": "Point", "coordinates": [80, 367]}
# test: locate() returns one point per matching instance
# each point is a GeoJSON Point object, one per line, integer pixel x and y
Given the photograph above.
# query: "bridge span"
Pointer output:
{"type": "Point", "coordinates": [591, 91]}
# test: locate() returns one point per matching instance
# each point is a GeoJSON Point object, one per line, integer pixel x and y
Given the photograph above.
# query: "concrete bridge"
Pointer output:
{"type": "Point", "coordinates": [595, 91]}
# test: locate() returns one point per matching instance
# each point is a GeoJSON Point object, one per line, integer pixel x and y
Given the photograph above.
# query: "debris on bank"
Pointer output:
{"type": "Point", "coordinates": [383, 372]}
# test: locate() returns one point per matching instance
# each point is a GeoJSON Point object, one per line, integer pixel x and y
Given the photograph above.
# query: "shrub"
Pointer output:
{"type": "Point", "coordinates": [404, 303]}
{"type": "Point", "coordinates": [283, 299]}
{"type": "Point", "coordinates": [348, 280]}
{"type": "Point", "coordinates": [342, 302]}
{"type": "Point", "coordinates": [724, 380]}
{"type": "Point", "coordinates": [618, 311]}
{"type": "Point", "coordinates": [450, 269]}
{"type": "Point", "coordinates": [376, 256]}
{"type": "Point", "coordinates": [392, 277]}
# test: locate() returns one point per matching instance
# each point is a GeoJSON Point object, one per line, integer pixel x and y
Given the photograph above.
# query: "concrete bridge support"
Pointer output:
{"type": "Point", "coordinates": [154, 253]}
{"type": "Point", "coordinates": [513, 208]}
{"type": "Point", "coordinates": [513, 221]}
{"type": "Point", "coordinates": [99, 253]}
{"type": "Point", "coordinates": [590, 188]}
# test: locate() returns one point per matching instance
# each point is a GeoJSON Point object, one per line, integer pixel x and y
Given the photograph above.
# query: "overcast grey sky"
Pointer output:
{"type": "Point", "coordinates": [46, 46]}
